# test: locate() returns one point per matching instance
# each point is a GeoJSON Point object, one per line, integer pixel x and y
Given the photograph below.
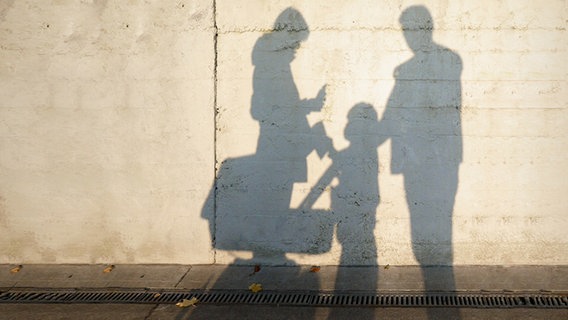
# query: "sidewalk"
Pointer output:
{"type": "Point", "coordinates": [395, 278]}
{"type": "Point", "coordinates": [184, 277]}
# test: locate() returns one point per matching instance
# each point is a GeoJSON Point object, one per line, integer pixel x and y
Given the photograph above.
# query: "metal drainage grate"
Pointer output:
{"type": "Point", "coordinates": [323, 299]}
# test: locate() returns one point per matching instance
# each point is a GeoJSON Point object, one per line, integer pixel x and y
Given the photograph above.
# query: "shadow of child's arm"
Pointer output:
{"type": "Point", "coordinates": [319, 187]}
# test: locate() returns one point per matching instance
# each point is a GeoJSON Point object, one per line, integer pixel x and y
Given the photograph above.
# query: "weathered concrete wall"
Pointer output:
{"type": "Point", "coordinates": [453, 153]}
{"type": "Point", "coordinates": [106, 131]}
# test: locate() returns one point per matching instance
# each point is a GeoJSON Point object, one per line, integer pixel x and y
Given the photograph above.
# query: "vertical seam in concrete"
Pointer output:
{"type": "Point", "coordinates": [151, 311]}
{"type": "Point", "coordinates": [183, 277]}
{"type": "Point", "coordinates": [216, 113]}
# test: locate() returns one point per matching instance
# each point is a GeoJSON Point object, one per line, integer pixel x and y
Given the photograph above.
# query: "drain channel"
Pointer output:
{"type": "Point", "coordinates": [312, 298]}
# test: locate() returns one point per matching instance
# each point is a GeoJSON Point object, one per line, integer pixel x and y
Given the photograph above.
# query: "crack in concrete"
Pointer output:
{"type": "Point", "coordinates": [151, 311]}
{"type": "Point", "coordinates": [182, 277]}
{"type": "Point", "coordinates": [215, 129]}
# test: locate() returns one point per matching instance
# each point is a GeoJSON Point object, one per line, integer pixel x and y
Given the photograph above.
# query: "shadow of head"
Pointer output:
{"type": "Point", "coordinates": [291, 20]}
{"type": "Point", "coordinates": [417, 25]}
{"type": "Point", "coordinates": [289, 30]}
{"type": "Point", "coordinates": [362, 120]}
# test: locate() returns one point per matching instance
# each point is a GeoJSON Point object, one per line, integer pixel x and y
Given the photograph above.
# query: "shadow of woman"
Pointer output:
{"type": "Point", "coordinates": [248, 208]}
{"type": "Point", "coordinates": [253, 193]}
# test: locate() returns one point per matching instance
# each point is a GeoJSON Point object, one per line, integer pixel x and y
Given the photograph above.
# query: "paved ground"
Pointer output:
{"type": "Point", "coordinates": [394, 278]}
{"type": "Point", "coordinates": [551, 278]}
{"type": "Point", "coordinates": [127, 312]}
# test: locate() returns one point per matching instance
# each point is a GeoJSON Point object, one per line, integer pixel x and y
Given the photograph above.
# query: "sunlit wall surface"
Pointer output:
{"type": "Point", "coordinates": [340, 132]}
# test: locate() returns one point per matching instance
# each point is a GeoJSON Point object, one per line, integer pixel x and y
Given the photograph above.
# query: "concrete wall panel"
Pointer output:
{"type": "Point", "coordinates": [106, 131]}
{"type": "Point", "coordinates": [115, 115]}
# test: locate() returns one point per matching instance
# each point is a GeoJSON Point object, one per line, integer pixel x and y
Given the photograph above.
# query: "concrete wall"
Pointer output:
{"type": "Point", "coordinates": [106, 131]}
{"type": "Point", "coordinates": [110, 130]}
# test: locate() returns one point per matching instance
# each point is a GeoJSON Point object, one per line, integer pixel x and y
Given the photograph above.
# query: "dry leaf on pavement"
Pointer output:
{"type": "Point", "coordinates": [16, 269]}
{"type": "Point", "coordinates": [315, 269]}
{"type": "Point", "coordinates": [255, 287]}
{"type": "Point", "coordinates": [108, 268]}
{"type": "Point", "coordinates": [256, 269]}
{"type": "Point", "coordinates": [187, 303]}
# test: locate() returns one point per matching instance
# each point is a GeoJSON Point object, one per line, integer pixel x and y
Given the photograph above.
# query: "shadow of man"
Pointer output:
{"type": "Point", "coordinates": [423, 117]}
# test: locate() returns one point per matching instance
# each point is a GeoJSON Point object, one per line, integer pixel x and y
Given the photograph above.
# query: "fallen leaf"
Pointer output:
{"type": "Point", "coordinates": [256, 269]}
{"type": "Point", "coordinates": [108, 268]}
{"type": "Point", "coordinates": [157, 295]}
{"type": "Point", "coordinates": [187, 303]}
{"type": "Point", "coordinates": [387, 266]}
{"type": "Point", "coordinates": [315, 269]}
{"type": "Point", "coordinates": [255, 287]}
{"type": "Point", "coordinates": [16, 269]}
